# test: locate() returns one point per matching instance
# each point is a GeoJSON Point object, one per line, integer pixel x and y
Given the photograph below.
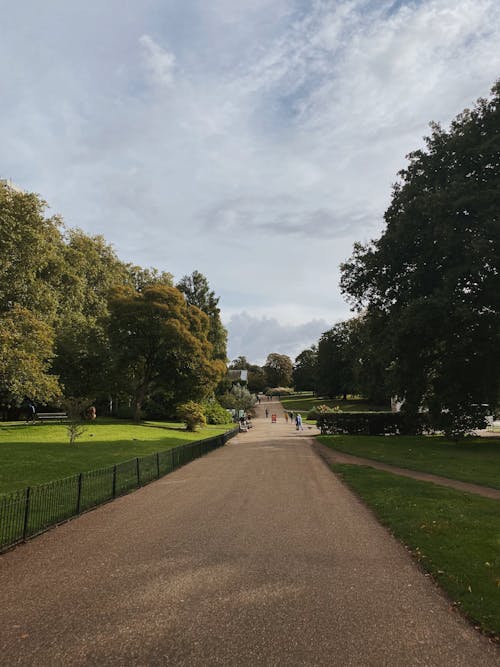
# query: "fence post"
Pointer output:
{"type": "Point", "coordinates": [158, 464]}
{"type": "Point", "coordinates": [114, 482]}
{"type": "Point", "coordinates": [138, 471]}
{"type": "Point", "coordinates": [26, 512]}
{"type": "Point", "coordinates": [79, 496]}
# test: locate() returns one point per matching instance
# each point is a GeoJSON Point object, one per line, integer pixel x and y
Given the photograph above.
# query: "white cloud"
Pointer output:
{"type": "Point", "coordinates": [256, 337]}
{"type": "Point", "coordinates": [272, 152]}
{"type": "Point", "coordinates": [159, 62]}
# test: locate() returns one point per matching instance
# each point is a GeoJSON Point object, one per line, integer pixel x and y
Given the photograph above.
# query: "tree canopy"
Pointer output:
{"type": "Point", "coordinates": [76, 321]}
{"type": "Point", "coordinates": [278, 370]}
{"type": "Point", "coordinates": [433, 277]}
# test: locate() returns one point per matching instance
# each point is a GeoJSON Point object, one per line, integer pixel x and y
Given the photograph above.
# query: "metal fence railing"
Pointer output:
{"type": "Point", "coordinates": [28, 512]}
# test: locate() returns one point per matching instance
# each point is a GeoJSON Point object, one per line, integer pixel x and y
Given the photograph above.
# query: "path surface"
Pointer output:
{"type": "Point", "coordinates": [253, 555]}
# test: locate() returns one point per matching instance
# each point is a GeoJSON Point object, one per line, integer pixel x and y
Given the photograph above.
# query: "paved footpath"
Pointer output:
{"type": "Point", "coordinates": [253, 555]}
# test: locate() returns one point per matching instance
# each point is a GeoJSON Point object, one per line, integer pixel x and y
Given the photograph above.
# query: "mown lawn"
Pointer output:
{"type": "Point", "coordinates": [455, 536]}
{"type": "Point", "coordinates": [305, 403]}
{"type": "Point", "coordinates": [36, 454]}
{"type": "Point", "coordinates": [475, 460]}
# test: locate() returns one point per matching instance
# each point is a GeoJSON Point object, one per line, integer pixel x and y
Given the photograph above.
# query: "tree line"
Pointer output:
{"type": "Point", "coordinates": [427, 292]}
{"type": "Point", "coordinates": [76, 321]}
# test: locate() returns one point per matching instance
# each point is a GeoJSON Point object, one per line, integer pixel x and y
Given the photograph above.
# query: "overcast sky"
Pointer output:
{"type": "Point", "coordinates": [252, 140]}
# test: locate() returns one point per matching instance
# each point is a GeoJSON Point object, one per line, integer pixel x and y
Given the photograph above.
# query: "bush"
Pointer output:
{"type": "Point", "coordinates": [460, 421]}
{"type": "Point", "coordinates": [239, 398]}
{"type": "Point", "coordinates": [192, 415]}
{"type": "Point", "coordinates": [215, 413]}
{"type": "Point", "coordinates": [280, 391]}
{"type": "Point", "coordinates": [372, 423]}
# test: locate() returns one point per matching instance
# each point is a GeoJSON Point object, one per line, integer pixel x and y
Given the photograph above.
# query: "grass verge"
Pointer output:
{"type": "Point", "coordinates": [475, 460]}
{"type": "Point", "coordinates": [455, 536]}
{"type": "Point", "coordinates": [40, 453]}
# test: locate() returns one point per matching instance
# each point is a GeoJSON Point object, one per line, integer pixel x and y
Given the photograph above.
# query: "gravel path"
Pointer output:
{"type": "Point", "coordinates": [253, 555]}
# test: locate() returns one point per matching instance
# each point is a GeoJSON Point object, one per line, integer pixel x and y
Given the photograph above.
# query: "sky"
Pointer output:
{"type": "Point", "coordinates": [252, 140]}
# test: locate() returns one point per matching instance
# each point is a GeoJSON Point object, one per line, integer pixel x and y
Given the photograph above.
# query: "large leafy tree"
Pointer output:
{"type": "Point", "coordinates": [305, 370]}
{"type": "Point", "coordinates": [433, 277]}
{"type": "Point", "coordinates": [278, 370]}
{"type": "Point", "coordinates": [198, 293]}
{"type": "Point", "coordinates": [160, 342]}
{"type": "Point", "coordinates": [26, 352]}
{"type": "Point", "coordinates": [338, 360]}
{"type": "Point", "coordinates": [30, 252]}
{"type": "Point", "coordinates": [90, 269]}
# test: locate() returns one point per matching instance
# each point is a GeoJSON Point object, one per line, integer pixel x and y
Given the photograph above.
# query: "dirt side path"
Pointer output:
{"type": "Point", "coordinates": [334, 456]}
{"type": "Point", "coordinates": [253, 555]}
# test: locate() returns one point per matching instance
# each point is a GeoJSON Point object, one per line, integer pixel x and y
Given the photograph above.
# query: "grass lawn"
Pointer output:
{"type": "Point", "coordinates": [36, 454]}
{"type": "Point", "coordinates": [454, 535]}
{"type": "Point", "coordinates": [475, 460]}
{"type": "Point", "coordinates": [307, 402]}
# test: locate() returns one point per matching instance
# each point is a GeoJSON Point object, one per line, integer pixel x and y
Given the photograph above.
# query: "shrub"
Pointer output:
{"type": "Point", "coordinates": [215, 413]}
{"type": "Point", "coordinates": [279, 391]}
{"type": "Point", "coordinates": [239, 398]}
{"type": "Point", "coordinates": [192, 415]}
{"type": "Point", "coordinates": [372, 423]}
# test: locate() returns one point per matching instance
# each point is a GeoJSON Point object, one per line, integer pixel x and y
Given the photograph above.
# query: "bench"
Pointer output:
{"type": "Point", "coordinates": [51, 416]}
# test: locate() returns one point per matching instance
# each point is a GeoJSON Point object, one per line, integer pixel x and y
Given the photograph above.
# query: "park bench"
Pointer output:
{"type": "Point", "coordinates": [51, 416]}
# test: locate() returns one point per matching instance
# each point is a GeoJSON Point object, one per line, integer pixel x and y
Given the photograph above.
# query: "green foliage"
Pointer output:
{"type": "Point", "coordinates": [197, 292]}
{"type": "Point", "coordinates": [278, 369]}
{"type": "Point", "coordinates": [256, 379]}
{"type": "Point", "coordinates": [431, 284]}
{"type": "Point", "coordinates": [159, 341]}
{"type": "Point", "coordinates": [26, 352]}
{"type": "Point", "coordinates": [453, 535]}
{"type": "Point", "coordinates": [305, 370]}
{"type": "Point", "coordinates": [77, 320]}
{"type": "Point", "coordinates": [30, 248]}
{"type": "Point", "coordinates": [239, 398]}
{"type": "Point", "coordinates": [215, 413]}
{"type": "Point", "coordinates": [192, 414]}
{"type": "Point", "coordinates": [371, 423]}
{"type": "Point", "coordinates": [279, 391]}
{"type": "Point", "coordinates": [338, 359]}
{"type": "Point", "coordinates": [461, 420]}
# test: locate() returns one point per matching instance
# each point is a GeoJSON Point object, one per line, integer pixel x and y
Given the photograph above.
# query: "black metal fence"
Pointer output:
{"type": "Point", "coordinates": [30, 511]}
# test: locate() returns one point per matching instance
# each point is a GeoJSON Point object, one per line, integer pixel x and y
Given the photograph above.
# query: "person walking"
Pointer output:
{"type": "Point", "coordinates": [267, 413]}
{"type": "Point", "coordinates": [286, 416]}
{"type": "Point", "coordinates": [298, 422]}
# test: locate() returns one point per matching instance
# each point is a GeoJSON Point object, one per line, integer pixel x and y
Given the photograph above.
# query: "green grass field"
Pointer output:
{"type": "Point", "coordinates": [475, 460]}
{"type": "Point", "coordinates": [455, 536]}
{"type": "Point", "coordinates": [306, 402]}
{"type": "Point", "coordinates": [36, 454]}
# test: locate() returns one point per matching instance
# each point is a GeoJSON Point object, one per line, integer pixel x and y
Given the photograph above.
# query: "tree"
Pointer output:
{"type": "Point", "coordinates": [256, 379]}
{"type": "Point", "coordinates": [338, 360]}
{"type": "Point", "coordinates": [30, 248]}
{"type": "Point", "coordinates": [26, 352]}
{"type": "Point", "coordinates": [161, 342]}
{"type": "Point", "coordinates": [305, 370]}
{"type": "Point", "coordinates": [278, 370]}
{"type": "Point", "coordinates": [198, 293]}
{"type": "Point", "coordinates": [239, 364]}
{"type": "Point", "coordinates": [239, 398]}
{"type": "Point", "coordinates": [90, 269]}
{"type": "Point", "coordinates": [433, 276]}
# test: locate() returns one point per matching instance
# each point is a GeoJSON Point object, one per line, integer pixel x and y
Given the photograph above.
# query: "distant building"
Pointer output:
{"type": "Point", "coordinates": [238, 376]}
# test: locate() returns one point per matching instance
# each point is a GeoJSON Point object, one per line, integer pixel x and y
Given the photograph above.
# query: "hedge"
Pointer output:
{"type": "Point", "coordinates": [372, 423]}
